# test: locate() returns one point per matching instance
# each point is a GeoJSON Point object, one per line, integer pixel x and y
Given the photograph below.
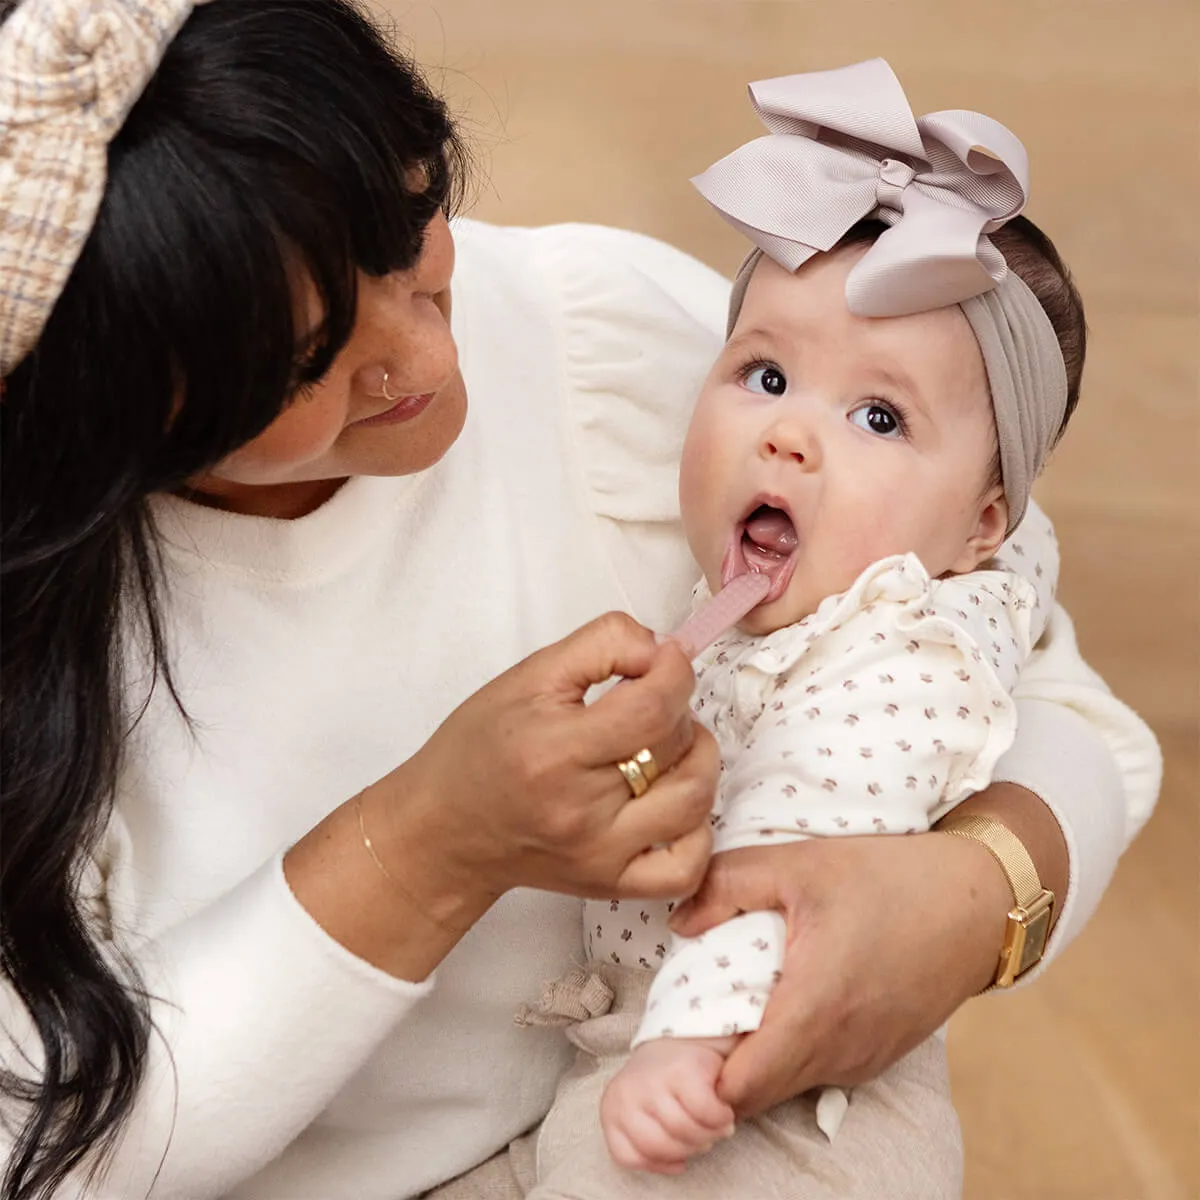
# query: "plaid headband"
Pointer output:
{"type": "Point", "coordinates": [70, 71]}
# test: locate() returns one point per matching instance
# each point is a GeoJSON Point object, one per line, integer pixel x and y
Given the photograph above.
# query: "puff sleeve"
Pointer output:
{"type": "Point", "coordinates": [641, 323]}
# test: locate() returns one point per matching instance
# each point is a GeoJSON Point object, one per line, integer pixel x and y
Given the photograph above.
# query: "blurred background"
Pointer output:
{"type": "Point", "coordinates": [1085, 1087]}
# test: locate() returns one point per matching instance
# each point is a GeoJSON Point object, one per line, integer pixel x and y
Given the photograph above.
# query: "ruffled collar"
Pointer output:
{"type": "Point", "coordinates": [900, 579]}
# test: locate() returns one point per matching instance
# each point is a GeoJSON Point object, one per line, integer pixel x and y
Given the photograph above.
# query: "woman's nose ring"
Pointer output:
{"type": "Point", "coordinates": [383, 391]}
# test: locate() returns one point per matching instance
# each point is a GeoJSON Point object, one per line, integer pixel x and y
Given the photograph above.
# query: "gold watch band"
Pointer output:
{"type": "Point", "coordinates": [1006, 849]}
{"type": "Point", "coordinates": [1028, 927]}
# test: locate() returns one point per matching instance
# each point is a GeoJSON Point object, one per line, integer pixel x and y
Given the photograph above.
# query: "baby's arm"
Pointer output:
{"type": "Point", "coordinates": [662, 1107]}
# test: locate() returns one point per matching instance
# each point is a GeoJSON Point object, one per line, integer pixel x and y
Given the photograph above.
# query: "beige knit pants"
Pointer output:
{"type": "Point", "coordinates": [900, 1139]}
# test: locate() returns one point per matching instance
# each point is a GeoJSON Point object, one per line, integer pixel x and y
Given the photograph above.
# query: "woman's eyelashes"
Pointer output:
{"type": "Point", "coordinates": [880, 417]}
{"type": "Point", "coordinates": [306, 375]}
{"type": "Point", "coordinates": [765, 378]}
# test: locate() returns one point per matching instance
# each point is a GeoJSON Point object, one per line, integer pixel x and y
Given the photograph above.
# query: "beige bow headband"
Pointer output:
{"type": "Point", "coordinates": [70, 71]}
{"type": "Point", "coordinates": [844, 146]}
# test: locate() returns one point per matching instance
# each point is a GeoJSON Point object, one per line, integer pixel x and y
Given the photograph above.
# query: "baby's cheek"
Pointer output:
{"type": "Point", "coordinates": [869, 532]}
{"type": "Point", "coordinates": [695, 478]}
{"type": "Point", "coordinates": [907, 528]}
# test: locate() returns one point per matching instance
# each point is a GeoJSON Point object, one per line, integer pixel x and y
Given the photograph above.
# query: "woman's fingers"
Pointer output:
{"type": "Point", "coordinates": [648, 711]}
{"type": "Point", "coordinates": [668, 827]}
{"type": "Point", "coordinates": [521, 782]}
{"type": "Point", "coordinates": [666, 754]}
{"type": "Point", "coordinates": [772, 1064]}
{"type": "Point", "coordinates": [678, 800]}
{"type": "Point", "coordinates": [614, 644]}
{"type": "Point", "coordinates": [665, 872]}
{"type": "Point", "coordinates": [736, 882]}
{"type": "Point", "coordinates": [610, 646]}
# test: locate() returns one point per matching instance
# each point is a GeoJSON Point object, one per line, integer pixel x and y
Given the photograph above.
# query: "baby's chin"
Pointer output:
{"type": "Point", "coordinates": [768, 618]}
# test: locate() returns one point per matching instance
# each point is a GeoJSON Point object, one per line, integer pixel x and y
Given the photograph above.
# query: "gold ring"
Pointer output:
{"type": "Point", "coordinates": [639, 772]}
{"type": "Point", "coordinates": [634, 777]}
{"type": "Point", "coordinates": [645, 760]}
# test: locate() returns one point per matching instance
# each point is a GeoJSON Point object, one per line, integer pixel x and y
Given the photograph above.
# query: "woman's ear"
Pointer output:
{"type": "Point", "coordinates": [988, 535]}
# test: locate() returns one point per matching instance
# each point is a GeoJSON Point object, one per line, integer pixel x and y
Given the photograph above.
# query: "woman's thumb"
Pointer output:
{"type": "Point", "coordinates": [736, 883]}
{"type": "Point", "coordinates": [611, 645]}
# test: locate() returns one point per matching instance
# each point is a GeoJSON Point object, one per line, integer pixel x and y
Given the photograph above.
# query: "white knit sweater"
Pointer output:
{"type": "Point", "coordinates": [314, 655]}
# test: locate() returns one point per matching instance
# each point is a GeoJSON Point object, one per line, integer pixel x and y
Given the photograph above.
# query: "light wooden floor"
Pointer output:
{"type": "Point", "coordinates": [1085, 1087]}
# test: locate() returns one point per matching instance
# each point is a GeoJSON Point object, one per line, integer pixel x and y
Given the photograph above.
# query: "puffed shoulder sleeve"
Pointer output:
{"type": "Point", "coordinates": [642, 323]}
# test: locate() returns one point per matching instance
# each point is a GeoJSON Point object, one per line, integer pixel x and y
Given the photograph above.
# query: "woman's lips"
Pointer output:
{"type": "Point", "coordinates": [403, 410]}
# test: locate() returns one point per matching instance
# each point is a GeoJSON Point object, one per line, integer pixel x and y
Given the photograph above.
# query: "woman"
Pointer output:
{"type": "Point", "coordinates": [259, 567]}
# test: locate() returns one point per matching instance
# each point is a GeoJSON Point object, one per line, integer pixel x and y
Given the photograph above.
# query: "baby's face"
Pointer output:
{"type": "Point", "coordinates": [823, 441]}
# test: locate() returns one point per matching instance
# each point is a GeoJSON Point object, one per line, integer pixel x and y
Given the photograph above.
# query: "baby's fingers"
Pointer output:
{"type": "Point", "coordinates": [625, 1154]}
{"type": "Point", "coordinates": [699, 1099]}
{"type": "Point", "coordinates": [655, 1147]}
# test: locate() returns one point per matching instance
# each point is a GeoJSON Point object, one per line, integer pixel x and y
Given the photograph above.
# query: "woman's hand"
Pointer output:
{"type": "Point", "coordinates": [520, 785]}
{"type": "Point", "coordinates": [887, 936]}
{"type": "Point", "coordinates": [519, 788]}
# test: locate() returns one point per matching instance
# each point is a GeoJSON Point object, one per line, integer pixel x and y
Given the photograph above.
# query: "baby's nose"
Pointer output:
{"type": "Point", "coordinates": [788, 438]}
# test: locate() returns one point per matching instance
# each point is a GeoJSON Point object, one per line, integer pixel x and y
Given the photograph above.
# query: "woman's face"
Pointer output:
{"type": "Point", "coordinates": [344, 424]}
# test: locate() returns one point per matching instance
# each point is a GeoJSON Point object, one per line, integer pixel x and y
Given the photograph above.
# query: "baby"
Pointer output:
{"type": "Point", "coordinates": [894, 378]}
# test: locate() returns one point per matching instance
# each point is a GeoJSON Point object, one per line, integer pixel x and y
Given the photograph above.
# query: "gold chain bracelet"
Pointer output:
{"type": "Point", "coordinates": [412, 900]}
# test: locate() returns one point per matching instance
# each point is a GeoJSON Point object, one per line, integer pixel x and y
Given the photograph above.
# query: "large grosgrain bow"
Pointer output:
{"type": "Point", "coordinates": [843, 146]}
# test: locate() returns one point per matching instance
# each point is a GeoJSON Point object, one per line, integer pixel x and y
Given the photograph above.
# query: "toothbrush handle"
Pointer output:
{"type": "Point", "coordinates": [722, 612]}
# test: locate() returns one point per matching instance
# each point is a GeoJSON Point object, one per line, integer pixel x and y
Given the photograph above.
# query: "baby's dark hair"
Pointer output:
{"type": "Point", "coordinates": [1032, 256]}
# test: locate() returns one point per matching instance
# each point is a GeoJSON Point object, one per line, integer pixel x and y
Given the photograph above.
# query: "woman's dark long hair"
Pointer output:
{"type": "Point", "coordinates": [278, 139]}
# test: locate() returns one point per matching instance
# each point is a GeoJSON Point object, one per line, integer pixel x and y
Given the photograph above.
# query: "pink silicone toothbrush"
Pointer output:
{"type": "Point", "coordinates": [722, 612]}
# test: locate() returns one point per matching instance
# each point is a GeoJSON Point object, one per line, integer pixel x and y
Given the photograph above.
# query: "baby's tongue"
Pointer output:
{"type": "Point", "coordinates": [772, 530]}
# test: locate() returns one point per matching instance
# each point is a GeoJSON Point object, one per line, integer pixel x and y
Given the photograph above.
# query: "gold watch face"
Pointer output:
{"type": "Point", "coordinates": [1037, 930]}
{"type": "Point", "coordinates": [1024, 939]}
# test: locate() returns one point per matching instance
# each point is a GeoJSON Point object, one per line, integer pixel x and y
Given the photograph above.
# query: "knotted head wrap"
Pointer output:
{"type": "Point", "coordinates": [70, 71]}
{"type": "Point", "coordinates": [844, 146]}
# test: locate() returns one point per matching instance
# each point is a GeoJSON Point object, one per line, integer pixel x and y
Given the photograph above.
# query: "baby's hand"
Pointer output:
{"type": "Point", "coordinates": [662, 1106]}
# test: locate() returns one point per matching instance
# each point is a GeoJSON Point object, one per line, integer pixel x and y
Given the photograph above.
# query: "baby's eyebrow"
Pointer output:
{"type": "Point", "coordinates": [755, 335]}
{"type": "Point", "coordinates": [898, 379]}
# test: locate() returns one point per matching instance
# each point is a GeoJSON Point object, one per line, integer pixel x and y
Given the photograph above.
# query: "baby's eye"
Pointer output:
{"type": "Point", "coordinates": [878, 419]}
{"type": "Point", "coordinates": [767, 380]}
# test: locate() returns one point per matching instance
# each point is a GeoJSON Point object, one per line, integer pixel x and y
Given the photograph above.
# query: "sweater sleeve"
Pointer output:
{"type": "Point", "coordinates": [1093, 762]}
{"type": "Point", "coordinates": [210, 1111]}
{"type": "Point", "coordinates": [641, 324]}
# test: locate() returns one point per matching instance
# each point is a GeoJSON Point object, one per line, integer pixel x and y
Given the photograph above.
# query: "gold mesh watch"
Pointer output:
{"type": "Point", "coordinates": [1028, 926]}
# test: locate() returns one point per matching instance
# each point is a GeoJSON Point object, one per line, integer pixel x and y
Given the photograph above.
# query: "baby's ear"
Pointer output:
{"type": "Point", "coordinates": [988, 535]}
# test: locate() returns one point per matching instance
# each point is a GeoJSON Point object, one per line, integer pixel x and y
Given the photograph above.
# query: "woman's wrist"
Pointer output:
{"type": "Point", "coordinates": [1026, 815]}
{"type": "Point", "coordinates": [390, 900]}
{"type": "Point", "coordinates": [989, 894]}
{"type": "Point", "coordinates": [404, 833]}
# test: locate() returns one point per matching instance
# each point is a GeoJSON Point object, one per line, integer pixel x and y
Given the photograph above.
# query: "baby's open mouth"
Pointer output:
{"type": "Point", "coordinates": [764, 540]}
